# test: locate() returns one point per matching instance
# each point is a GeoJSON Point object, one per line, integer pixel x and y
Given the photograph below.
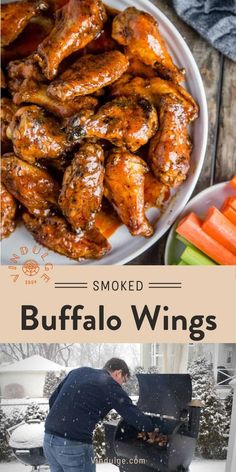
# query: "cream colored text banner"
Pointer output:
{"type": "Point", "coordinates": [138, 304]}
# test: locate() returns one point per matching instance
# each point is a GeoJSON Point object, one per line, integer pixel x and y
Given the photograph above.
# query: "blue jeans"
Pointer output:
{"type": "Point", "coordinates": [64, 455]}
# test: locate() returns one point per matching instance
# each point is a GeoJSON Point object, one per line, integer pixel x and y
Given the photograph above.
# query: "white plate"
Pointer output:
{"type": "Point", "coordinates": [213, 196]}
{"type": "Point", "coordinates": [124, 246]}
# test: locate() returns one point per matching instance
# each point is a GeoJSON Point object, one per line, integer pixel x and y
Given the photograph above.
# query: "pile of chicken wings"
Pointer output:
{"type": "Point", "coordinates": [93, 116]}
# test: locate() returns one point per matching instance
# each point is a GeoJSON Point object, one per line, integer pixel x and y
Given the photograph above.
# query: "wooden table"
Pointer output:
{"type": "Point", "coordinates": [219, 78]}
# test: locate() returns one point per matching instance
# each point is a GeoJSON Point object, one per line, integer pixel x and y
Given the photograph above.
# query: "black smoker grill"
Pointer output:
{"type": "Point", "coordinates": [26, 441]}
{"type": "Point", "coordinates": [167, 399]}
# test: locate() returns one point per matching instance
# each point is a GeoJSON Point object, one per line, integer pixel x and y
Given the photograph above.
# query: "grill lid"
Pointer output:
{"type": "Point", "coordinates": [164, 394]}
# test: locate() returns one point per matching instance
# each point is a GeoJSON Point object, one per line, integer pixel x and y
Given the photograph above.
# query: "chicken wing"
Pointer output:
{"type": "Point", "coordinates": [32, 186]}
{"type": "Point", "coordinates": [8, 208]}
{"type": "Point", "coordinates": [7, 111]}
{"type": "Point", "coordinates": [36, 135]}
{"type": "Point", "coordinates": [77, 23]}
{"type": "Point", "coordinates": [130, 121]}
{"type": "Point", "coordinates": [124, 188]}
{"type": "Point", "coordinates": [82, 188]}
{"type": "Point", "coordinates": [155, 192]}
{"type": "Point", "coordinates": [16, 15]}
{"type": "Point", "coordinates": [138, 68]}
{"type": "Point", "coordinates": [26, 44]}
{"type": "Point", "coordinates": [55, 233]}
{"type": "Point", "coordinates": [89, 74]}
{"type": "Point", "coordinates": [21, 70]}
{"type": "Point", "coordinates": [170, 149]}
{"type": "Point", "coordinates": [34, 92]}
{"type": "Point", "coordinates": [139, 32]}
{"type": "Point", "coordinates": [154, 89]}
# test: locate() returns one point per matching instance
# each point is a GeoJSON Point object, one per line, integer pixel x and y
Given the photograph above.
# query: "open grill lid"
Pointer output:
{"type": "Point", "coordinates": [164, 394]}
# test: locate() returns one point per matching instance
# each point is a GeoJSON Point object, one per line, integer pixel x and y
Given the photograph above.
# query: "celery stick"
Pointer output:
{"type": "Point", "coordinates": [182, 263]}
{"type": "Point", "coordinates": [193, 256]}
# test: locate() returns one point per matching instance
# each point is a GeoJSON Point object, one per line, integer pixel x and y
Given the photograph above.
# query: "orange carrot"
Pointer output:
{"type": "Point", "coordinates": [233, 182]}
{"type": "Point", "coordinates": [231, 201]}
{"type": "Point", "coordinates": [220, 228]}
{"type": "Point", "coordinates": [230, 213]}
{"type": "Point", "coordinates": [190, 228]}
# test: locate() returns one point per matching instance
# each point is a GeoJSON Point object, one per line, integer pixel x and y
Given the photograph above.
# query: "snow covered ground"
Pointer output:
{"type": "Point", "coordinates": [197, 466]}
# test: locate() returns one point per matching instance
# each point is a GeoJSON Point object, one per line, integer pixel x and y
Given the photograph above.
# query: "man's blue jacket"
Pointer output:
{"type": "Point", "coordinates": [84, 398]}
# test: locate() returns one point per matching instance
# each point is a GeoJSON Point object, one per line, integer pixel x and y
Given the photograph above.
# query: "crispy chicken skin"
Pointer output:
{"type": "Point", "coordinates": [154, 89]}
{"type": "Point", "coordinates": [77, 23]}
{"type": "Point", "coordinates": [138, 68]}
{"type": "Point", "coordinates": [82, 188]}
{"type": "Point", "coordinates": [129, 121]}
{"type": "Point", "coordinates": [124, 188]}
{"type": "Point", "coordinates": [170, 149]}
{"type": "Point", "coordinates": [54, 232]}
{"type": "Point", "coordinates": [8, 212]}
{"type": "Point", "coordinates": [34, 92]}
{"type": "Point", "coordinates": [7, 111]}
{"type": "Point", "coordinates": [20, 70]}
{"type": "Point", "coordinates": [36, 135]}
{"type": "Point", "coordinates": [139, 32]}
{"type": "Point", "coordinates": [32, 186]}
{"type": "Point", "coordinates": [155, 192]}
{"type": "Point", "coordinates": [15, 16]}
{"type": "Point", "coordinates": [88, 75]}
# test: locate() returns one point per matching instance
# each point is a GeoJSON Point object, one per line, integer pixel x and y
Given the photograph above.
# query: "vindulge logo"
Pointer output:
{"type": "Point", "coordinates": [30, 264]}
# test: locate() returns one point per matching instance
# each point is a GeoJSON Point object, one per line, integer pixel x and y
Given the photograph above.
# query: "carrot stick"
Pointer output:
{"type": "Point", "coordinates": [229, 213]}
{"type": "Point", "coordinates": [233, 182]}
{"type": "Point", "coordinates": [231, 201]}
{"type": "Point", "coordinates": [190, 228]}
{"type": "Point", "coordinates": [220, 228]}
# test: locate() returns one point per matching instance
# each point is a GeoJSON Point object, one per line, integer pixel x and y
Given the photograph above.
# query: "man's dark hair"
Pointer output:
{"type": "Point", "coordinates": [117, 364]}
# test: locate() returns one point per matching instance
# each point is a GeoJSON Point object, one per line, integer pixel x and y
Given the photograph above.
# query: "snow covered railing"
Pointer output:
{"type": "Point", "coordinates": [225, 376]}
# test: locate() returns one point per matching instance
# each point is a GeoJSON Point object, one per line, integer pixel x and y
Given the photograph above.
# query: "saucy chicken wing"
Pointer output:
{"type": "Point", "coordinates": [55, 233]}
{"type": "Point", "coordinates": [155, 192]}
{"type": "Point", "coordinates": [170, 149]}
{"type": "Point", "coordinates": [32, 186]}
{"type": "Point", "coordinates": [27, 42]}
{"type": "Point", "coordinates": [34, 92]}
{"type": "Point", "coordinates": [138, 31]}
{"type": "Point", "coordinates": [21, 70]}
{"type": "Point", "coordinates": [89, 74]}
{"type": "Point", "coordinates": [36, 135]}
{"type": "Point", "coordinates": [82, 188]}
{"type": "Point", "coordinates": [124, 188]}
{"type": "Point", "coordinates": [129, 121]}
{"type": "Point", "coordinates": [16, 15]}
{"type": "Point", "coordinates": [8, 212]}
{"type": "Point", "coordinates": [154, 89]}
{"type": "Point", "coordinates": [7, 111]}
{"type": "Point", "coordinates": [77, 23]}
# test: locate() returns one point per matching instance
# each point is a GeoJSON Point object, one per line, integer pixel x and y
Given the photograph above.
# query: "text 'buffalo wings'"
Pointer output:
{"type": "Point", "coordinates": [95, 124]}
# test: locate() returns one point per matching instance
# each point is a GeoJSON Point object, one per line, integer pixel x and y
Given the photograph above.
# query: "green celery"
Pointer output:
{"type": "Point", "coordinates": [182, 263]}
{"type": "Point", "coordinates": [193, 256]}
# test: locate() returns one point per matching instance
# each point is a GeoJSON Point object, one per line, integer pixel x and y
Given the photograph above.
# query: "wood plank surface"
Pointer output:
{"type": "Point", "coordinates": [219, 78]}
{"type": "Point", "coordinates": [226, 147]}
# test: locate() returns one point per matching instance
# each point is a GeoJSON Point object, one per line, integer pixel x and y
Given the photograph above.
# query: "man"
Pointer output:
{"type": "Point", "coordinates": [80, 401]}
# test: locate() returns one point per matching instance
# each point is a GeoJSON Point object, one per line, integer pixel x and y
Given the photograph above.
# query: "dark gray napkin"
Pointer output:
{"type": "Point", "coordinates": [215, 20]}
